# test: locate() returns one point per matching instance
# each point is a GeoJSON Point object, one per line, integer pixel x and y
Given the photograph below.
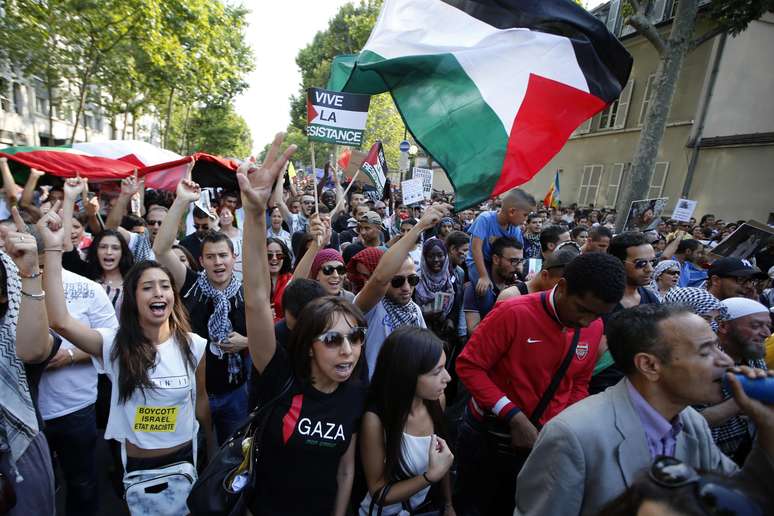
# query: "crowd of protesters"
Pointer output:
{"type": "Point", "coordinates": [508, 359]}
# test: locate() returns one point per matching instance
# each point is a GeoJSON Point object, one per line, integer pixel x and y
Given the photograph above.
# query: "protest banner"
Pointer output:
{"type": "Point", "coordinates": [375, 166]}
{"type": "Point", "coordinates": [334, 117]}
{"type": "Point", "coordinates": [745, 242]}
{"type": "Point", "coordinates": [426, 175]}
{"type": "Point", "coordinates": [645, 214]}
{"type": "Point", "coordinates": [412, 191]}
{"type": "Point", "coordinates": [684, 210]}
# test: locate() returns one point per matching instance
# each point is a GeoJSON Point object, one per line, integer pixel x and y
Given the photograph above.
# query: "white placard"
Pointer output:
{"type": "Point", "coordinates": [412, 191]}
{"type": "Point", "coordinates": [426, 175]}
{"type": "Point", "coordinates": [684, 210]}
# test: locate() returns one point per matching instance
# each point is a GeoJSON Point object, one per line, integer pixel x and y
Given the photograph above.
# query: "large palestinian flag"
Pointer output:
{"type": "Point", "coordinates": [116, 159]}
{"type": "Point", "coordinates": [491, 89]}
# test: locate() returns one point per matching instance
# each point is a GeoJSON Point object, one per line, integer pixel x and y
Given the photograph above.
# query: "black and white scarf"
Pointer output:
{"type": "Point", "coordinates": [219, 325]}
{"type": "Point", "coordinates": [402, 315]}
{"type": "Point", "coordinates": [18, 423]}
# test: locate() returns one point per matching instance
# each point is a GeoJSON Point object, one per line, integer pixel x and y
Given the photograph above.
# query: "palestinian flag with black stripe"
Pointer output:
{"type": "Point", "coordinates": [491, 89]}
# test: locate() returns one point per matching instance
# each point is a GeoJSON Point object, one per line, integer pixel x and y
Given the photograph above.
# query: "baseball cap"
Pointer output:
{"type": "Point", "coordinates": [371, 218]}
{"type": "Point", "coordinates": [736, 268]}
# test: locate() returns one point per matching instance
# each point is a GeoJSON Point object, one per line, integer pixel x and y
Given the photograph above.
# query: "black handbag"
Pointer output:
{"type": "Point", "coordinates": [211, 494]}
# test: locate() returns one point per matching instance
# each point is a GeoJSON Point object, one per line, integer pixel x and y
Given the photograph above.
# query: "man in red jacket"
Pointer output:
{"type": "Point", "coordinates": [529, 359]}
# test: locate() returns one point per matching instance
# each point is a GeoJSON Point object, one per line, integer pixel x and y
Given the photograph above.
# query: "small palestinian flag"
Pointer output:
{"type": "Point", "coordinates": [491, 89]}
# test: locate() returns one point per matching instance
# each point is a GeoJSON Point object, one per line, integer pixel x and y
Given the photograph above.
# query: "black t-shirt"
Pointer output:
{"type": "Point", "coordinates": [34, 373]}
{"type": "Point", "coordinates": [199, 310]}
{"type": "Point", "coordinates": [282, 337]}
{"type": "Point", "coordinates": [193, 243]}
{"type": "Point", "coordinates": [307, 433]}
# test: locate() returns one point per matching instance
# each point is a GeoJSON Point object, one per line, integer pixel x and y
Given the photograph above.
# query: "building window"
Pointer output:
{"type": "Point", "coordinates": [18, 99]}
{"type": "Point", "coordinates": [589, 186]}
{"type": "Point", "coordinates": [614, 117]}
{"type": "Point", "coordinates": [658, 180]}
{"type": "Point", "coordinates": [5, 99]}
{"type": "Point", "coordinates": [614, 183]}
{"type": "Point", "coordinates": [41, 99]}
{"type": "Point", "coordinates": [646, 98]}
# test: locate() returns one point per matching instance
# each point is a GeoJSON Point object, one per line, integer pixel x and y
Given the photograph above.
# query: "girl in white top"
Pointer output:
{"type": "Point", "coordinates": [153, 359]}
{"type": "Point", "coordinates": [399, 442]}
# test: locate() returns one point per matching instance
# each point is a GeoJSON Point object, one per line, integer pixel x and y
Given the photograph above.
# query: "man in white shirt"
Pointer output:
{"type": "Point", "coordinates": [67, 396]}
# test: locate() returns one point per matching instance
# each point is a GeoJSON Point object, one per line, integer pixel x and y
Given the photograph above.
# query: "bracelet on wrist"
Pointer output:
{"type": "Point", "coordinates": [424, 475]}
{"type": "Point", "coordinates": [35, 297]}
{"type": "Point", "coordinates": [30, 276]}
{"type": "Point", "coordinates": [53, 249]}
{"type": "Point", "coordinates": [72, 356]}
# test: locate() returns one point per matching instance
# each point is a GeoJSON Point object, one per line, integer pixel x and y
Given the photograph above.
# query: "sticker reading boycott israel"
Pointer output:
{"type": "Point", "coordinates": [155, 419]}
{"type": "Point", "coordinates": [335, 117]}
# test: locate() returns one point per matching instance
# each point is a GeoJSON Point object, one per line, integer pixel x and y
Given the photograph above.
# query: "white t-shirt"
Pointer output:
{"type": "Point", "coordinates": [162, 417]}
{"type": "Point", "coordinates": [70, 388]}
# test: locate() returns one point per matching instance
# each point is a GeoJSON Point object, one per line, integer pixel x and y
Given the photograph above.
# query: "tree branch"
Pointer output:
{"type": "Point", "coordinates": [648, 30]}
{"type": "Point", "coordinates": [696, 43]}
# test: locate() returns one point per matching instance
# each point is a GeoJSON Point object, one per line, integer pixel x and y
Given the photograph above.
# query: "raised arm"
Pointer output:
{"type": "Point", "coordinates": [671, 248]}
{"type": "Point", "coordinates": [304, 267]}
{"type": "Point", "coordinates": [9, 185]}
{"type": "Point", "coordinates": [390, 263]}
{"type": "Point", "coordinates": [60, 320]}
{"type": "Point", "coordinates": [279, 202]}
{"type": "Point", "coordinates": [186, 193]}
{"type": "Point", "coordinates": [129, 186]}
{"type": "Point", "coordinates": [33, 342]}
{"type": "Point", "coordinates": [26, 200]}
{"type": "Point", "coordinates": [256, 186]}
{"type": "Point", "coordinates": [72, 188]}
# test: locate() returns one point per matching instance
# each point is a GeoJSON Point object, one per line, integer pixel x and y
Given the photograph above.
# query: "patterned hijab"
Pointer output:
{"type": "Point", "coordinates": [369, 257]}
{"type": "Point", "coordinates": [18, 423]}
{"type": "Point", "coordinates": [432, 283]}
{"type": "Point", "coordinates": [660, 269]}
{"type": "Point", "coordinates": [700, 301]}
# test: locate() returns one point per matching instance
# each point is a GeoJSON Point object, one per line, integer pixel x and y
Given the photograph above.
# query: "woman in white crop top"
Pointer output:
{"type": "Point", "coordinates": [153, 360]}
{"type": "Point", "coordinates": [400, 441]}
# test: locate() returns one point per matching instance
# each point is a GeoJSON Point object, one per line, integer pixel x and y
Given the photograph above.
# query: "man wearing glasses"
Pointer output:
{"type": "Point", "coordinates": [639, 260]}
{"type": "Point", "coordinates": [733, 277]}
{"type": "Point", "coordinates": [507, 259]}
{"type": "Point", "coordinates": [386, 297]}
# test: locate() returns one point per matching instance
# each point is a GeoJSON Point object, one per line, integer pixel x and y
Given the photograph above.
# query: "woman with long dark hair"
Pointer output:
{"type": "Point", "coordinates": [402, 432]}
{"type": "Point", "coordinates": [307, 460]}
{"type": "Point", "coordinates": [152, 359]}
{"type": "Point", "coordinates": [280, 273]}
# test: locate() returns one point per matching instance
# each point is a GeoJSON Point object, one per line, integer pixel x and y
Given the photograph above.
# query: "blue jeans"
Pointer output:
{"type": "Point", "coordinates": [74, 440]}
{"type": "Point", "coordinates": [228, 411]}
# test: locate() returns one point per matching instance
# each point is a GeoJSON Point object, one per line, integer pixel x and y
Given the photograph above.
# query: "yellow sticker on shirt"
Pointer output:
{"type": "Point", "coordinates": [155, 419]}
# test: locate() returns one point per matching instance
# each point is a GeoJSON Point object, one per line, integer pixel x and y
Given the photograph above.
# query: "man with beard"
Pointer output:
{"type": "Point", "coordinates": [639, 260]}
{"type": "Point", "coordinates": [742, 335]}
{"type": "Point", "coordinates": [591, 452]}
{"type": "Point", "coordinates": [598, 240]}
{"type": "Point", "coordinates": [386, 297]}
{"type": "Point", "coordinates": [733, 277]}
{"type": "Point", "coordinates": [214, 299]}
{"type": "Point", "coordinates": [532, 247]}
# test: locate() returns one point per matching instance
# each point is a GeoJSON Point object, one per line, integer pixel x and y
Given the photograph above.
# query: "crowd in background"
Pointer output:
{"type": "Point", "coordinates": [507, 359]}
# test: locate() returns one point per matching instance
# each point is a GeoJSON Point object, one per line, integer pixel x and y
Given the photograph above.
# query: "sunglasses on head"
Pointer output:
{"type": "Point", "coordinates": [714, 498]}
{"type": "Point", "coordinates": [641, 263]}
{"type": "Point", "coordinates": [334, 338]}
{"type": "Point", "coordinates": [328, 269]}
{"type": "Point", "coordinates": [398, 281]}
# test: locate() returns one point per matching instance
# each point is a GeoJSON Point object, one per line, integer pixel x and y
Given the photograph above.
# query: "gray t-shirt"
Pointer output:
{"type": "Point", "coordinates": [379, 327]}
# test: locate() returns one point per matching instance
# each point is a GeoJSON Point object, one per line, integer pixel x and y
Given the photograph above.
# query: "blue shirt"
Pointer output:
{"type": "Point", "coordinates": [691, 276]}
{"type": "Point", "coordinates": [660, 433]}
{"type": "Point", "coordinates": [487, 229]}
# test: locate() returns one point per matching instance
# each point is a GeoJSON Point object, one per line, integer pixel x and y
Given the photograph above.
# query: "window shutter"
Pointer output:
{"type": "Point", "coordinates": [657, 10]}
{"type": "Point", "coordinates": [584, 128]}
{"type": "Point", "coordinates": [646, 98]}
{"type": "Point", "coordinates": [613, 15]}
{"type": "Point", "coordinates": [623, 105]}
{"type": "Point", "coordinates": [658, 180]}
{"type": "Point", "coordinates": [614, 183]}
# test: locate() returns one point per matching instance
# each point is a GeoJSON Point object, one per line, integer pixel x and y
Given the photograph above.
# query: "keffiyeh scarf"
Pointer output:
{"type": "Point", "coordinates": [662, 267]}
{"type": "Point", "coordinates": [700, 301]}
{"type": "Point", "coordinates": [219, 325]}
{"type": "Point", "coordinates": [401, 315]}
{"type": "Point", "coordinates": [18, 423]}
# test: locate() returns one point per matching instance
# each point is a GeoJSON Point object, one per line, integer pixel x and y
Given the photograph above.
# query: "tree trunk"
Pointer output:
{"type": "Point", "coordinates": [184, 146]}
{"type": "Point", "coordinates": [79, 110]}
{"type": "Point", "coordinates": [637, 182]}
{"type": "Point", "coordinates": [134, 126]}
{"type": "Point", "coordinates": [50, 90]}
{"type": "Point", "coordinates": [126, 123]}
{"type": "Point", "coordinates": [168, 121]}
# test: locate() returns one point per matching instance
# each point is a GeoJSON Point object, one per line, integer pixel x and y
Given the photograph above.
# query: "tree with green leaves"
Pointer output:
{"type": "Point", "coordinates": [731, 17]}
{"type": "Point", "coordinates": [219, 130]}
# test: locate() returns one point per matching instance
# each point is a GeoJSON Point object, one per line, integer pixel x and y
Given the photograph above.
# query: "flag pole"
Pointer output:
{"type": "Point", "coordinates": [314, 176]}
{"type": "Point", "coordinates": [343, 197]}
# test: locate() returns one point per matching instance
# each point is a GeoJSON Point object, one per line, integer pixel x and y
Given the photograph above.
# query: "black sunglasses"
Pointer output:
{"type": "Point", "coordinates": [398, 281]}
{"type": "Point", "coordinates": [334, 339]}
{"type": "Point", "coordinates": [328, 269]}
{"type": "Point", "coordinates": [641, 263]}
{"type": "Point", "coordinates": [714, 498]}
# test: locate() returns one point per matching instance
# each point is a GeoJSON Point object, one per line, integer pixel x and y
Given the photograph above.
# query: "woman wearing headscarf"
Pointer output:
{"type": "Point", "coordinates": [25, 348]}
{"type": "Point", "coordinates": [361, 266]}
{"type": "Point", "coordinates": [700, 301]}
{"type": "Point", "coordinates": [438, 292]}
{"type": "Point", "coordinates": [665, 277]}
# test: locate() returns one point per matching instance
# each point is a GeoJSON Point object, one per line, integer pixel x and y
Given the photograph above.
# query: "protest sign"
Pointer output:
{"type": "Point", "coordinates": [684, 210]}
{"type": "Point", "coordinates": [375, 166]}
{"type": "Point", "coordinates": [412, 191]}
{"type": "Point", "coordinates": [205, 204]}
{"type": "Point", "coordinates": [747, 241]}
{"type": "Point", "coordinates": [426, 175]}
{"type": "Point", "coordinates": [334, 117]}
{"type": "Point", "coordinates": [645, 214]}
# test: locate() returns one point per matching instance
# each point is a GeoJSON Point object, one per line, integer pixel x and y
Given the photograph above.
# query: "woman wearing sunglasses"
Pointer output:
{"type": "Point", "coordinates": [403, 428]}
{"type": "Point", "coordinates": [278, 256]}
{"type": "Point", "coordinates": [665, 277]}
{"type": "Point", "coordinates": [307, 460]}
{"type": "Point", "coordinates": [328, 269]}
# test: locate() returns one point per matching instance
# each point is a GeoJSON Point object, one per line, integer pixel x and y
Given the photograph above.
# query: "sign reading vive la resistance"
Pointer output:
{"type": "Point", "coordinates": [335, 117]}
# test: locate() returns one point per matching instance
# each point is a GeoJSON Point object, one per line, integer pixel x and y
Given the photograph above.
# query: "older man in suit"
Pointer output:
{"type": "Point", "coordinates": [595, 449]}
